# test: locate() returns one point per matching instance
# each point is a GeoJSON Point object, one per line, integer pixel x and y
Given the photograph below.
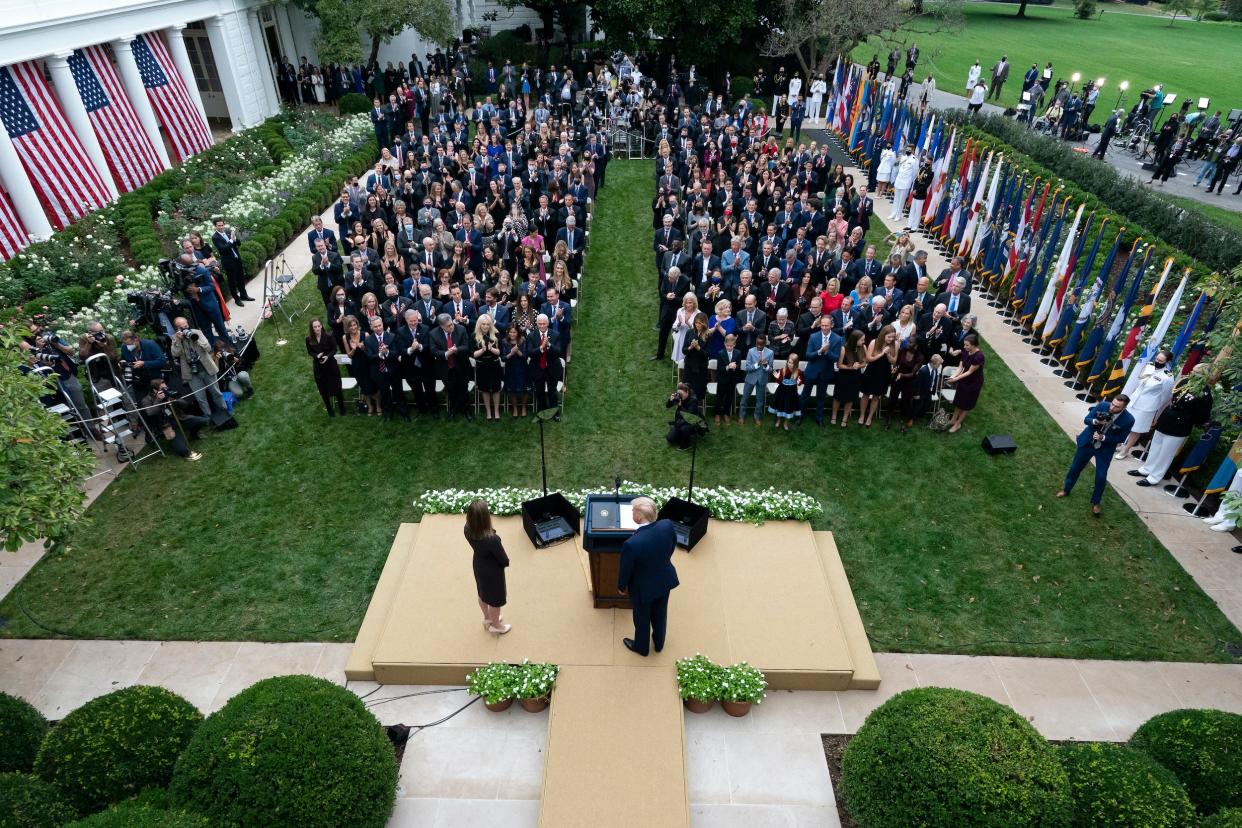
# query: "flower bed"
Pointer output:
{"type": "Point", "coordinates": [267, 181]}
{"type": "Point", "coordinates": [741, 505]}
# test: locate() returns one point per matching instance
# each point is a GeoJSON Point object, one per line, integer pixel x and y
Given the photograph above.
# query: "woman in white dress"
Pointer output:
{"type": "Point", "coordinates": [317, 82]}
{"type": "Point", "coordinates": [683, 324]}
{"type": "Point", "coordinates": [884, 171]}
{"type": "Point", "coordinates": [1154, 391]}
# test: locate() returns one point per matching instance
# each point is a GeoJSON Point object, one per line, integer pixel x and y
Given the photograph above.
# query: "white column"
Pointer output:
{"type": "Point", "coordinates": [284, 31]}
{"type": "Point", "coordinates": [18, 185]}
{"type": "Point", "coordinates": [225, 64]}
{"type": "Point", "coordinates": [71, 102]}
{"type": "Point", "coordinates": [267, 68]}
{"type": "Point", "coordinates": [132, 80]}
{"type": "Point", "coordinates": [176, 45]}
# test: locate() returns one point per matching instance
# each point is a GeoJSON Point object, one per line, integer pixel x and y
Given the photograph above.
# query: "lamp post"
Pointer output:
{"type": "Point", "coordinates": [1074, 79]}
{"type": "Point", "coordinates": [1123, 86]}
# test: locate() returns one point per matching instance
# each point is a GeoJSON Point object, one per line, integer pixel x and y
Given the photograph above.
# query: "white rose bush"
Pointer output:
{"type": "Point", "coordinates": [722, 502]}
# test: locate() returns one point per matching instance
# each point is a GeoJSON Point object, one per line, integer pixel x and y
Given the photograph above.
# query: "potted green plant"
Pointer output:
{"type": "Point", "coordinates": [741, 686]}
{"type": "Point", "coordinates": [698, 682]}
{"type": "Point", "coordinates": [535, 685]}
{"type": "Point", "coordinates": [496, 684]}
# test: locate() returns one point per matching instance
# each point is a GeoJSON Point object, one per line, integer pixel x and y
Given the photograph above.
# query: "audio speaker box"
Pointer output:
{"type": "Point", "coordinates": [999, 444]}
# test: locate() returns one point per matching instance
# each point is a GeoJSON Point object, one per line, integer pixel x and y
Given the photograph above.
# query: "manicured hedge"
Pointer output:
{"type": "Point", "coordinates": [354, 103]}
{"type": "Point", "coordinates": [139, 815]}
{"type": "Point", "coordinates": [22, 729]}
{"type": "Point", "coordinates": [1228, 818]}
{"type": "Point", "coordinates": [950, 759]}
{"type": "Point", "coordinates": [293, 750]}
{"type": "Point", "coordinates": [26, 801]}
{"type": "Point", "coordinates": [116, 745]}
{"type": "Point", "coordinates": [1203, 748]}
{"type": "Point", "coordinates": [1114, 786]}
{"type": "Point", "coordinates": [1185, 233]}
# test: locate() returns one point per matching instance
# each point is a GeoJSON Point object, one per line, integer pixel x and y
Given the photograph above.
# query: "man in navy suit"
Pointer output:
{"type": "Point", "coordinates": [647, 576]}
{"type": "Point", "coordinates": [1108, 424]}
{"type": "Point", "coordinates": [823, 349]}
{"type": "Point", "coordinates": [318, 231]}
{"type": "Point", "coordinates": [560, 318]}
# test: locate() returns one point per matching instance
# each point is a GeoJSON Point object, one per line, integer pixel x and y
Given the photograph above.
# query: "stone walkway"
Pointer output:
{"type": "Point", "coordinates": [766, 769]}
{"type": "Point", "coordinates": [1204, 554]}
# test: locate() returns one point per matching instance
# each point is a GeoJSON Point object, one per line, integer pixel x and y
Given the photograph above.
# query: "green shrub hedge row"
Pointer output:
{"type": "Point", "coordinates": [1192, 237]}
{"type": "Point", "coordinates": [943, 758]}
{"type": "Point", "coordinates": [26, 801]}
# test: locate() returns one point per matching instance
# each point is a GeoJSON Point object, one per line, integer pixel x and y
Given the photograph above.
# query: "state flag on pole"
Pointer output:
{"type": "Point", "coordinates": [175, 108]}
{"type": "Point", "coordinates": [63, 176]}
{"type": "Point", "coordinates": [126, 145]}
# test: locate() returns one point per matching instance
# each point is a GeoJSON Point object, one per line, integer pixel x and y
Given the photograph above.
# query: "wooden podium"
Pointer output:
{"type": "Point", "coordinates": [607, 528]}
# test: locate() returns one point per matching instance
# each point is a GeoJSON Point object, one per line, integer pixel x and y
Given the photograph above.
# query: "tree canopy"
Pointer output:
{"type": "Point", "coordinates": [701, 30]}
{"type": "Point", "coordinates": [41, 496]}
{"type": "Point", "coordinates": [344, 23]}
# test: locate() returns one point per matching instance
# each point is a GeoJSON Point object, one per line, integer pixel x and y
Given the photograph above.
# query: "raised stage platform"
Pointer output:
{"type": "Point", "coordinates": [774, 595]}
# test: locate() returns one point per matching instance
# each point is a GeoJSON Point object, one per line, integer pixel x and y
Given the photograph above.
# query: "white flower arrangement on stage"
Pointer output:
{"type": "Point", "coordinates": [741, 505]}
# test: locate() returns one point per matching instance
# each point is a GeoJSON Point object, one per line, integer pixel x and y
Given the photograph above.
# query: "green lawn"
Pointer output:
{"type": "Point", "coordinates": [280, 532]}
{"type": "Point", "coordinates": [1189, 58]}
{"type": "Point", "coordinates": [1221, 215]}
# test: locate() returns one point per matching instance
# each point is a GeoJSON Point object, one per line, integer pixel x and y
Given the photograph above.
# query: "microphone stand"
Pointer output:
{"type": "Point", "coordinates": [695, 422]}
{"type": "Point", "coordinates": [542, 417]}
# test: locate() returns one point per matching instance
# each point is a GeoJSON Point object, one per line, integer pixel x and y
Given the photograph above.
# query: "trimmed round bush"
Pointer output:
{"type": "Point", "coordinates": [22, 729]}
{"type": "Point", "coordinates": [293, 750]}
{"type": "Point", "coordinates": [1114, 786]}
{"type": "Point", "coordinates": [937, 757]}
{"type": "Point", "coordinates": [141, 815]}
{"type": "Point", "coordinates": [116, 745]}
{"type": "Point", "coordinates": [1228, 818]}
{"type": "Point", "coordinates": [1203, 748]}
{"type": "Point", "coordinates": [353, 103]}
{"type": "Point", "coordinates": [26, 801]}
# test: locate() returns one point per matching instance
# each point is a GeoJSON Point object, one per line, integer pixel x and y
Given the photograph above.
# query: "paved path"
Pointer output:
{"type": "Point", "coordinates": [1181, 184]}
{"type": "Point", "coordinates": [765, 769]}
{"type": "Point", "coordinates": [1204, 554]}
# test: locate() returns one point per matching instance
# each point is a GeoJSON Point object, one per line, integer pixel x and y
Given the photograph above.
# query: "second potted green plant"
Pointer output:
{"type": "Point", "coordinates": [535, 685]}
{"type": "Point", "coordinates": [496, 684]}
{"type": "Point", "coordinates": [741, 686]}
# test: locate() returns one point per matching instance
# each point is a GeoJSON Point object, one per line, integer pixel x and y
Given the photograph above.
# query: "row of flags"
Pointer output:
{"type": "Point", "coordinates": [65, 180]}
{"type": "Point", "coordinates": [1024, 237]}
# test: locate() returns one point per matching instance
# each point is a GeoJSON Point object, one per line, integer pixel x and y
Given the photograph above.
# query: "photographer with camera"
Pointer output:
{"type": "Point", "coordinates": [680, 432]}
{"type": "Point", "coordinates": [196, 283]}
{"type": "Point", "coordinates": [48, 351]}
{"type": "Point", "coordinates": [199, 370]}
{"type": "Point", "coordinates": [142, 361]}
{"type": "Point", "coordinates": [1107, 425]}
{"type": "Point", "coordinates": [171, 418]}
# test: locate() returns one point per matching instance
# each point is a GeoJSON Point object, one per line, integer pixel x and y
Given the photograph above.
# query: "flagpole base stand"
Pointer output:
{"type": "Point", "coordinates": [1051, 361]}
{"type": "Point", "coordinates": [1192, 508]}
{"type": "Point", "coordinates": [1086, 396]}
{"type": "Point", "coordinates": [1175, 491]}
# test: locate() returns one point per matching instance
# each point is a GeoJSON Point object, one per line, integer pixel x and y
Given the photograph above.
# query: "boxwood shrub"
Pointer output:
{"type": "Point", "coordinates": [937, 757]}
{"type": "Point", "coordinates": [1203, 748]}
{"type": "Point", "coordinates": [353, 103]}
{"type": "Point", "coordinates": [116, 745]}
{"type": "Point", "coordinates": [26, 801]}
{"type": "Point", "coordinates": [133, 814]}
{"type": "Point", "coordinates": [1228, 818]}
{"type": "Point", "coordinates": [293, 750]}
{"type": "Point", "coordinates": [1114, 786]}
{"type": "Point", "coordinates": [22, 728]}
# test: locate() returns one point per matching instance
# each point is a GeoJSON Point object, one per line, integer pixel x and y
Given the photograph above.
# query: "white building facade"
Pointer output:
{"type": "Point", "coordinates": [225, 50]}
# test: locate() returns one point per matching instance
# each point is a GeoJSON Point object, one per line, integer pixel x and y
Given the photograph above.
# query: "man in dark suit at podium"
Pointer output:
{"type": "Point", "coordinates": [647, 576]}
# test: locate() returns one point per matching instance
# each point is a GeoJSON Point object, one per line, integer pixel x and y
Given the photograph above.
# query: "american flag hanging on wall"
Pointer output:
{"type": "Point", "coordinates": [62, 174]}
{"type": "Point", "coordinates": [175, 108]}
{"type": "Point", "coordinates": [13, 236]}
{"type": "Point", "coordinates": [126, 145]}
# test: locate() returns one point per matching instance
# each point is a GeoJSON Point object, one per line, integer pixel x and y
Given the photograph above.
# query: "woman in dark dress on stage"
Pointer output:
{"type": "Point", "coordinates": [322, 349]}
{"type": "Point", "coordinates": [968, 381]}
{"type": "Point", "coordinates": [490, 561]}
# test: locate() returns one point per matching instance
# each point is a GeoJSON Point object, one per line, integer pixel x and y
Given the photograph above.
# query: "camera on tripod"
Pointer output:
{"type": "Point", "coordinates": [151, 303]}
{"type": "Point", "coordinates": [177, 275]}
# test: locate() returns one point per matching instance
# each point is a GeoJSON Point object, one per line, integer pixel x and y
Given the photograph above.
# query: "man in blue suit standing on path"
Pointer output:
{"type": "Point", "coordinates": [647, 576]}
{"type": "Point", "coordinates": [1108, 424]}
